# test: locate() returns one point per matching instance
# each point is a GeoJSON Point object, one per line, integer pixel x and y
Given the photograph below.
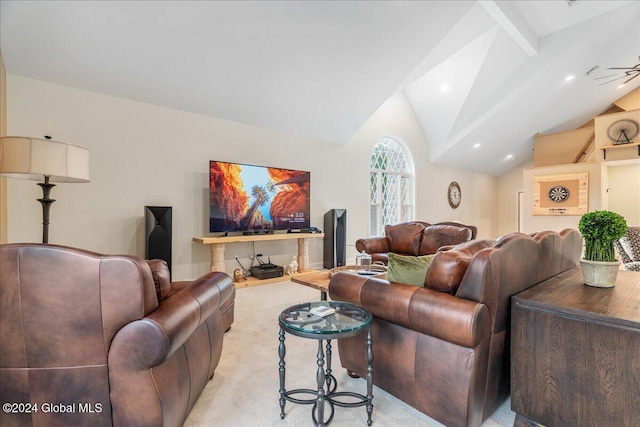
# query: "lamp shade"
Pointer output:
{"type": "Point", "coordinates": [32, 158]}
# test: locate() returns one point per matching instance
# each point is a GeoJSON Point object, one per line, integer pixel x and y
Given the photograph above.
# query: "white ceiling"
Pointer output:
{"type": "Point", "coordinates": [322, 68]}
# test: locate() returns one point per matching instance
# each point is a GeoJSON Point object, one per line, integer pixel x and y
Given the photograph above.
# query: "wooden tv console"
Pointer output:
{"type": "Point", "coordinates": [217, 247]}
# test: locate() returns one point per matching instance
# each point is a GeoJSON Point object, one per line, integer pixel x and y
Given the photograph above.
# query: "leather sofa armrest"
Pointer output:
{"type": "Point", "coordinates": [142, 345]}
{"type": "Point", "coordinates": [452, 319]}
{"type": "Point", "coordinates": [150, 341]}
{"type": "Point", "coordinates": [221, 280]}
{"type": "Point", "coordinates": [433, 313]}
{"type": "Point", "coordinates": [373, 245]}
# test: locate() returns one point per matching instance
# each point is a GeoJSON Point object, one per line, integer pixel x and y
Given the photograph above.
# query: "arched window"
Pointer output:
{"type": "Point", "coordinates": [391, 185]}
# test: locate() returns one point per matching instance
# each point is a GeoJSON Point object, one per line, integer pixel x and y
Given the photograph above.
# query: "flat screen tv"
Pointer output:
{"type": "Point", "coordinates": [254, 198]}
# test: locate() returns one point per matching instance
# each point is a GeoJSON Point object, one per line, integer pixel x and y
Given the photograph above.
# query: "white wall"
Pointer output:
{"type": "Point", "coordinates": [623, 190]}
{"type": "Point", "coordinates": [143, 154]}
{"type": "Point", "coordinates": [510, 184]}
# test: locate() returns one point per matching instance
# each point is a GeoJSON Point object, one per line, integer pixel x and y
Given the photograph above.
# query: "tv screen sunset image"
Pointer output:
{"type": "Point", "coordinates": [248, 197]}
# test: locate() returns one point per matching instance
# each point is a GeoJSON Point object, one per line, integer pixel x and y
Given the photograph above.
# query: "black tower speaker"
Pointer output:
{"type": "Point", "coordinates": [335, 238]}
{"type": "Point", "coordinates": [158, 233]}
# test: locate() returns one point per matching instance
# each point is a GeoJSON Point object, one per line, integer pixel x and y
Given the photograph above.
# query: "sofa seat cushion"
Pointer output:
{"type": "Point", "coordinates": [408, 269]}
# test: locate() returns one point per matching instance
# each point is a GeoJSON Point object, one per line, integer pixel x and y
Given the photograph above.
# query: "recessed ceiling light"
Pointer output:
{"type": "Point", "coordinates": [569, 78]}
{"type": "Point", "coordinates": [444, 88]}
{"type": "Point", "coordinates": [476, 145]}
{"type": "Point", "coordinates": [510, 157]}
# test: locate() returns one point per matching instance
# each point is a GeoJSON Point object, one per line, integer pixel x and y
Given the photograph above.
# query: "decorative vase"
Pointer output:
{"type": "Point", "coordinates": [600, 274]}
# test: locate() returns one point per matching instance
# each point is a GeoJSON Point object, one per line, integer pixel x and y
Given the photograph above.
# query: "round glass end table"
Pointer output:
{"type": "Point", "coordinates": [342, 320]}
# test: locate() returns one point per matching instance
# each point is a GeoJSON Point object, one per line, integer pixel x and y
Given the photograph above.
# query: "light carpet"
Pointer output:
{"type": "Point", "coordinates": [244, 389]}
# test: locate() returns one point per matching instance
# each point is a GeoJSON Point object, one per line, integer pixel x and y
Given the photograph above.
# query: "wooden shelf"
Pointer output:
{"type": "Point", "coordinates": [614, 147]}
{"type": "Point", "coordinates": [255, 237]}
{"type": "Point", "coordinates": [252, 281]}
{"type": "Point", "coordinates": [217, 247]}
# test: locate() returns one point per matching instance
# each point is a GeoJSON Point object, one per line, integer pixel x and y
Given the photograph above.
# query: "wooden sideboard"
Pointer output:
{"type": "Point", "coordinates": [217, 247]}
{"type": "Point", "coordinates": [575, 353]}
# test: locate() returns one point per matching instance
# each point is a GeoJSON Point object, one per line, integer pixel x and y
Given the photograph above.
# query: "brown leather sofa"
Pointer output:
{"type": "Point", "coordinates": [415, 238]}
{"type": "Point", "coordinates": [99, 340]}
{"type": "Point", "coordinates": [444, 349]}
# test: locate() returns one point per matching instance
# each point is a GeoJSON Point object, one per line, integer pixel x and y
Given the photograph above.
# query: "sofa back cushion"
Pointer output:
{"type": "Point", "coordinates": [404, 238]}
{"type": "Point", "coordinates": [515, 263]}
{"type": "Point", "coordinates": [438, 235]}
{"type": "Point", "coordinates": [472, 228]}
{"type": "Point", "coordinates": [161, 277]}
{"type": "Point", "coordinates": [556, 252]}
{"type": "Point", "coordinates": [60, 310]}
{"type": "Point", "coordinates": [448, 267]}
{"type": "Point", "coordinates": [61, 291]}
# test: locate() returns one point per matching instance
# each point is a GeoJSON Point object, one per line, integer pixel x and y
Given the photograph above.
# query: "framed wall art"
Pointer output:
{"type": "Point", "coordinates": [561, 194]}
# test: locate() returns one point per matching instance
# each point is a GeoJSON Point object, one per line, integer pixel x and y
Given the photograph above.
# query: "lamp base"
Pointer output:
{"type": "Point", "coordinates": [46, 202]}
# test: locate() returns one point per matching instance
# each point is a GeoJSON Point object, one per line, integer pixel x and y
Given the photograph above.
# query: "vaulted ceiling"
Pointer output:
{"type": "Point", "coordinates": [483, 77]}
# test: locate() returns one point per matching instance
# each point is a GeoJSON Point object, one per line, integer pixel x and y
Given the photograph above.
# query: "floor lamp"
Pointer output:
{"type": "Point", "coordinates": [37, 159]}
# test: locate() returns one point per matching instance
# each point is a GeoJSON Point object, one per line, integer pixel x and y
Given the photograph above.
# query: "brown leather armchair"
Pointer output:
{"type": "Point", "coordinates": [444, 348]}
{"type": "Point", "coordinates": [109, 335]}
{"type": "Point", "coordinates": [415, 238]}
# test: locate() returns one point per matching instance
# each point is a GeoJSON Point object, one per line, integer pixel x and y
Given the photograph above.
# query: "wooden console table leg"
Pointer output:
{"type": "Point", "coordinates": [217, 257]}
{"type": "Point", "coordinates": [303, 254]}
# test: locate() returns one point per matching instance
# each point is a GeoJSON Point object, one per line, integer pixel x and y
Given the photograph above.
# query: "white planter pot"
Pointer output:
{"type": "Point", "coordinates": [600, 274]}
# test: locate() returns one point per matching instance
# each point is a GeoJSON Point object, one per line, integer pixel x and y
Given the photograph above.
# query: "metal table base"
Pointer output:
{"type": "Point", "coordinates": [326, 395]}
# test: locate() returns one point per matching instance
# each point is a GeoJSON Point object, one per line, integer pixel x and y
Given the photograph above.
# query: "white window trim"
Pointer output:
{"type": "Point", "coordinates": [410, 175]}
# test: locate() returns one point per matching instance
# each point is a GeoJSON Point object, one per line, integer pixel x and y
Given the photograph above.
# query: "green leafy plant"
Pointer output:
{"type": "Point", "coordinates": [599, 230]}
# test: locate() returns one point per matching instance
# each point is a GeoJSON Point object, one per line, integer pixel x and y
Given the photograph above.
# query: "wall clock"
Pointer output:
{"type": "Point", "coordinates": [623, 131]}
{"type": "Point", "coordinates": [558, 194]}
{"type": "Point", "coordinates": [454, 195]}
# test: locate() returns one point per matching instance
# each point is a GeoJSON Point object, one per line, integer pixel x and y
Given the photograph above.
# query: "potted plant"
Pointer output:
{"type": "Point", "coordinates": [599, 230]}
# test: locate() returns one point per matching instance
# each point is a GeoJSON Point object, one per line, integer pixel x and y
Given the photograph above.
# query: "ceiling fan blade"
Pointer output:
{"type": "Point", "coordinates": [610, 75]}
{"type": "Point", "coordinates": [627, 81]}
{"type": "Point", "coordinates": [613, 80]}
{"type": "Point", "coordinates": [629, 73]}
{"type": "Point", "coordinates": [622, 77]}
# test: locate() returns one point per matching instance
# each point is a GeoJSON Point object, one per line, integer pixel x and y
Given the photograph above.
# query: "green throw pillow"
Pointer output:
{"type": "Point", "coordinates": [408, 269]}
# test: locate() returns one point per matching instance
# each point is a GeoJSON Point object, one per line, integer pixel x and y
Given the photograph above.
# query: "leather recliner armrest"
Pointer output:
{"type": "Point", "coordinates": [434, 313]}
